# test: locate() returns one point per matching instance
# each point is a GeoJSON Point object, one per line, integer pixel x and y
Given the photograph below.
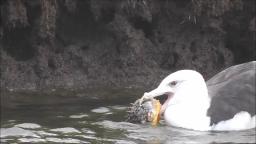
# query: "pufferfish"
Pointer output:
{"type": "Point", "coordinates": [148, 111]}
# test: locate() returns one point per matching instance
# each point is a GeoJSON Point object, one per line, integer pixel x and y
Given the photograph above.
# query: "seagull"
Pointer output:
{"type": "Point", "coordinates": [226, 102]}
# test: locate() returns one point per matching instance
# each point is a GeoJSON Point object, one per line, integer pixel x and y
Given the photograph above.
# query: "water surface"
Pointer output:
{"type": "Point", "coordinates": [92, 116]}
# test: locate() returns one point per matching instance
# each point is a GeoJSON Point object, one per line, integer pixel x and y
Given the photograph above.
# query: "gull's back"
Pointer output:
{"type": "Point", "coordinates": [232, 91]}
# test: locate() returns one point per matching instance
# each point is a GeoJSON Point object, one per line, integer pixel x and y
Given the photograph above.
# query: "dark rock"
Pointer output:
{"type": "Point", "coordinates": [119, 43]}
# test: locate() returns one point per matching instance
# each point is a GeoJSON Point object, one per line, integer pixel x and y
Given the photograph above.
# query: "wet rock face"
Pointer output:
{"type": "Point", "coordinates": [118, 43]}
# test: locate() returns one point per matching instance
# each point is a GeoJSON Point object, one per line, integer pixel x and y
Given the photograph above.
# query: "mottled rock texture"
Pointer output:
{"type": "Point", "coordinates": [120, 43]}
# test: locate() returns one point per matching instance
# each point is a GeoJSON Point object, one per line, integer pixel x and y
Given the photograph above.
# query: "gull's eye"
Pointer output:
{"type": "Point", "coordinates": [173, 83]}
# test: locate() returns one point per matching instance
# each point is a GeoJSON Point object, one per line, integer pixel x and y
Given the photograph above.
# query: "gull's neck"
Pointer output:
{"type": "Point", "coordinates": [189, 105]}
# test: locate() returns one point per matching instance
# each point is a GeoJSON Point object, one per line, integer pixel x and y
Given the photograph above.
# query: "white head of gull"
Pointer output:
{"type": "Point", "coordinates": [188, 104]}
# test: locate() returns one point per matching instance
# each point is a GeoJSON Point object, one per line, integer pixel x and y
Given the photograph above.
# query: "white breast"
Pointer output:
{"type": "Point", "coordinates": [188, 108]}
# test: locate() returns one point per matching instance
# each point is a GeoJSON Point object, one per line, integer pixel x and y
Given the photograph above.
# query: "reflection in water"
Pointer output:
{"type": "Point", "coordinates": [92, 116]}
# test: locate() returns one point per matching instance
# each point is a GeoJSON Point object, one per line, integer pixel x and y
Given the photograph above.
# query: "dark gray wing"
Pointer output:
{"type": "Point", "coordinates": [232, 91]}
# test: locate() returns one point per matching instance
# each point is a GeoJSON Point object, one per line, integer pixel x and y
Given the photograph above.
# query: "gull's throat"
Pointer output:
{"type": "Point", "coordinates": [165, 105]}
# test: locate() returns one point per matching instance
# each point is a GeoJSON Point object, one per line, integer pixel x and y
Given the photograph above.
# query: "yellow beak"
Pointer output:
{"type": "Point", "coordinates": [156, 112]}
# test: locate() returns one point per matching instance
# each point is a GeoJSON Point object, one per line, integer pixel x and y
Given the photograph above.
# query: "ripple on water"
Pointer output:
{"type": "Point", "coordinates": [64, 140]}
{"type": "Point", "coordinates": [118, 107]}
{"type": "Point", "coordinates": [101, 110]}
{"type": "Point", "coordinates": [102, 140]}
{"type": "Point", "coordinates": [66, 130]}
{"type": "Point", "coordinates": [88, 131]}
{"type": "Point", "coordinates": [31, 140]}
{"type": "Point", "coordinates": [28, 125]}
{"type": "Point", "coordinates": [117, 125]}
{"type": "Point", "coordinates": [16, 131]}
{"type": "Point", "coordinates": [43, 133]}
{"type": "Point", "coordinates": [139, 132]}
{"type": "Point", "coordinates": [78, 116]}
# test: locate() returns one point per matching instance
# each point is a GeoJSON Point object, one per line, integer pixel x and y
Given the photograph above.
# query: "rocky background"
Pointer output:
{"type": "Point", "coordinates": [120, 43]}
